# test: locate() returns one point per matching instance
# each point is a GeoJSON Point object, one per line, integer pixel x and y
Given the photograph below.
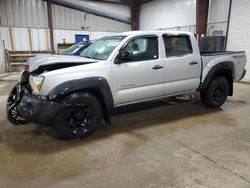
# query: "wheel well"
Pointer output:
{"type": "Point", "coordinates": [227, 73]}
{"type": "Point", "coordinates": [98, 94]}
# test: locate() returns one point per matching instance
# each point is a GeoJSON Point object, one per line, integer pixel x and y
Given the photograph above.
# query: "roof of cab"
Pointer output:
{"type": "Point", "coordinates": [127, 33]}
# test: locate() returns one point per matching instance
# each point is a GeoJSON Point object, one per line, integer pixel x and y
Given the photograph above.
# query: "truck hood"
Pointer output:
{"type": "Point", "coordinates": [54, 62]}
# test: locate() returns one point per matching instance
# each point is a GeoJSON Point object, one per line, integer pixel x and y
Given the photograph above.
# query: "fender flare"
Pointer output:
{"type": "Point", "coordinates": [227, 65]}
{"type": "Point", "coordinates": [85, 84]}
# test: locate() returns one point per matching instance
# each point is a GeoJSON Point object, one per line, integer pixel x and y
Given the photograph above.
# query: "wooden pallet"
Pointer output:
{"type": "Point", "coordinates": [18, 63]}
{"type": "Point", "coordinates": [13, 60]}
{"type": "Point", "coordinates": [22, 55]}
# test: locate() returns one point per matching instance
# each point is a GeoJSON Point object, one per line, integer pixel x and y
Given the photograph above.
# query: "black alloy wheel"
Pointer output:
{"type": "Point", "coordinates": [216, 93]}
{"type": "Point", "coordinates": [80, 116]}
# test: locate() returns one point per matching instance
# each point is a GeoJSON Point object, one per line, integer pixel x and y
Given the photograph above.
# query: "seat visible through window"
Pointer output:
{"type": "Point", "coordinates": [177, 45]}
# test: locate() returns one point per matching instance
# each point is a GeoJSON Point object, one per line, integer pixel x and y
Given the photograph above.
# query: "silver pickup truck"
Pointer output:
{"type": "Point", "coordinates": [74, 93]}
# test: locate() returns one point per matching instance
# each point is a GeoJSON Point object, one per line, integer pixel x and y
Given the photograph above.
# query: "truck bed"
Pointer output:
{"type": "Point", "coordinates": [210, 58]}
{"type": "Point", "coordinates": [213, 53]}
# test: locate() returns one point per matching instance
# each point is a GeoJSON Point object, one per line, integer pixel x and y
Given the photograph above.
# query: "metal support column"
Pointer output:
{"type": "Point", "coordinates": [135, 15]}
{"type": "Point", "coordinates": [50, 23]}
{"type": "Point", "coordinates": [201, 17]}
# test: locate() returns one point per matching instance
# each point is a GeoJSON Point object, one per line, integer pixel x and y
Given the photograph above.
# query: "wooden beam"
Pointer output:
{"type": "Point", "coordinates": [135, 15]}
{"type": "Point", "coordinates": [50, 23]}
{"type": "Point", "coordinates": [11, 39]}
{"type": "Point", "coordinates": [47, 38]}
{"type": "Point", "coordinates": [30, 39]}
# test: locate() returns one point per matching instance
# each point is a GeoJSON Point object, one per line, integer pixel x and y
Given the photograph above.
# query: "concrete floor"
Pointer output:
{"type": "Point", "coordinates": [159, 144]}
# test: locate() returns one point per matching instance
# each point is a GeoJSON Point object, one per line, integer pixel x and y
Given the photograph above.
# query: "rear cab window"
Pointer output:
{"type": "Point", "coordinates": [177, 45]}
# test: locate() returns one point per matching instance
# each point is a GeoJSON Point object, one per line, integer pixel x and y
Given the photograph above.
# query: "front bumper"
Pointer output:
{"type": "Point", "coordinates": [31, 108]}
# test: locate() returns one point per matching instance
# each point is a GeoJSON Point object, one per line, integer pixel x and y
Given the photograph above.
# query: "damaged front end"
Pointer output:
{"type": "Point", "coordinates": [15, 97]}
{"type": "Point", "coordinates": [24, 107]}
{"type": "Point", "coordinates": [13, 100]}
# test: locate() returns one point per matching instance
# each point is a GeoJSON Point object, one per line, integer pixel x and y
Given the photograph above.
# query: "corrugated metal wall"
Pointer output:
{"type": "Point", "coordinates": [33, 13]}
{"type": "Point", "coordinates": [40, 37]}
{"type": "Point", "coordinates": [115, 8]}
{"type": "Point", "coordinates": [25, 15]}
{"type": "Point", "coordinates": [67, 18]}
{"type": "Point", "coordinates": [168, 14]}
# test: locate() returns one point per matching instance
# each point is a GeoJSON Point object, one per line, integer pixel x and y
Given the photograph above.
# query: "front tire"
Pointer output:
{"type": "Point", "coordinates": [216, 93]}
{"type": "Point", "coordinates": [79, 118]}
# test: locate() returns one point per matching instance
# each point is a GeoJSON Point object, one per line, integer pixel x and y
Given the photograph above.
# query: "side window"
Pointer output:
{"type": "Point", "coordinates": [177, 45]}
{"type": "Point", "coordinates": [142, 48]}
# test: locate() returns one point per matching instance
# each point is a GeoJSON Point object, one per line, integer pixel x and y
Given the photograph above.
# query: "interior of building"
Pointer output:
{"type": "Point", "coordinates": [124, 93]}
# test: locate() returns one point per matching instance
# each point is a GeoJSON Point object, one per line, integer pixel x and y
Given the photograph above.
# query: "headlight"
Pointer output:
{"type": "Point", "coordinates": [36, 82]}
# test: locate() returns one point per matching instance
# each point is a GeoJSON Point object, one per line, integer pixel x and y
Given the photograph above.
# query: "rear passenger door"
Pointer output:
{"type": "Point", "coordinates": [182, 64]}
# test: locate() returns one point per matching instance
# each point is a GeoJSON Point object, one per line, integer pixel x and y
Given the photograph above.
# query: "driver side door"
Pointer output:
{"type": "Point", "coordinates": [140, 75]}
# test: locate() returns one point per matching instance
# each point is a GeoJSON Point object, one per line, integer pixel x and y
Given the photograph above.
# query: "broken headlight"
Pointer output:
{"type": "Point", "coordinates": [36, 82]}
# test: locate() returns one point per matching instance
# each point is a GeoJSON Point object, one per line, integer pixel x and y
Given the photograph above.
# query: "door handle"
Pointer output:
{"type": "Point", "coordinates": [193, 63]}
{"type": "Point", "coordinates": [156, 67]}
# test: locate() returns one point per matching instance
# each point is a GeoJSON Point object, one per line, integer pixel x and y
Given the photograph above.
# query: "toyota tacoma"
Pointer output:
{"type": "Point", "coordinates": [73, 93]}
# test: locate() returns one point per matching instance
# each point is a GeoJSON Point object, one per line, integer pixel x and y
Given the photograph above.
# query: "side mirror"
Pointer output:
{"type": "Point", "coordinates": [123, 56]}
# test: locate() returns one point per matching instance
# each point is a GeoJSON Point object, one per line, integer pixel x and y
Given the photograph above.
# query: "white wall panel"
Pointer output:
{"type": "Point", "coordinates": [35, 39]}
{"type": "Point", "coordinates": [5, 37]}
{"type": "Point", "coordinates": [218, 15]}
{"type": "Point", "coordinates": [66, 18]}
{"type": "Point", "coordinates": [3, 14]}
{"type": "Point", "coordinates": [23, 20]}
{"type": "Point", "coordinates": [2, 63]}
{"type": "Point", "coordinates": [238, 34]}
{"type": "Point", "coordinates": [120, 9]}
{"type": "Point", "coordinates": [33, 13]}
{"type": "Point", "coordinates": [42, 39]}
{"type": "Point", "coordinates": [167, 13]}
{"type": "Point", "coordinates": [23, 13]}
{"type": "Point", "coordinates": [218, 11]}
{"type": "Point", "coordinates": [21, 38]}
{"type": "Point", "coordinates": [42, 14]}
{"type": "Point", "coordinates": [69, 35]}
{"type": "Point", "coordinates": [9, 12]}
{"type": "Point", "coordinates": [16, 16]}
{"type": "Point", "coordinates": [39, 42]}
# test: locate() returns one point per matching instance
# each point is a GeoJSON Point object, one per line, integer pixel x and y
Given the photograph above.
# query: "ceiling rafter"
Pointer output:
{"type": "Point", "coordinates": [124, 1]}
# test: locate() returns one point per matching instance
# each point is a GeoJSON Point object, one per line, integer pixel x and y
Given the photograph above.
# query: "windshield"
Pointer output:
{"type": "Point", "coordinates": [102, 48]}
{"type": "Point", "coordinates": [73, 49]}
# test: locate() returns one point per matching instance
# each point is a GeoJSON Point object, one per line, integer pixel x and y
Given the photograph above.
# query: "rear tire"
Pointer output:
{"type": "Point", "coordinates": [216, 93]}
{"type": "Point", "coordinates": [79, 118]}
